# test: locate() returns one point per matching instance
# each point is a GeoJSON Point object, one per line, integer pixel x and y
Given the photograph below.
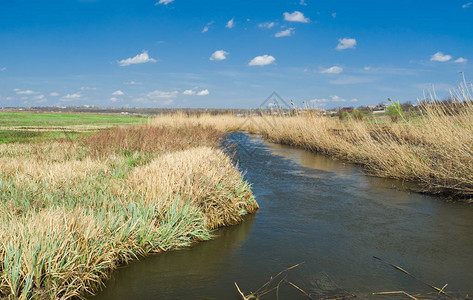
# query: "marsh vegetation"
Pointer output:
{"type": "Point", "coordinates": [72, 210]}
{"type": "Point", "coordinates": [432, 146]}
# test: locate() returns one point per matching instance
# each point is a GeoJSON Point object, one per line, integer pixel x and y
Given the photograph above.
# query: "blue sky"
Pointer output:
{"type": "Point", "coordinates": [230, 54]}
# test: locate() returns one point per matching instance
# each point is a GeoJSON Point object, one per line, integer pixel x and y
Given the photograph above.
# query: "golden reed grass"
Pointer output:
{"type": "Point", "coordinates": [72, 211]}
{"type": "Point", "coordinates": [433, 147]}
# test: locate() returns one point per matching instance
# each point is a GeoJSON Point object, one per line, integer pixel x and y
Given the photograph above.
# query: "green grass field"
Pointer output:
{"type": "Point", "coordinates": [30, 126]}
{"type": "Point", "coordinates": [30, 119]}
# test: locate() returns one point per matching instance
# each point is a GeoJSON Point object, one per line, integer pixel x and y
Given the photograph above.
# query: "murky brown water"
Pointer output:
{"type": "Point", "coordinates": [326, 213]}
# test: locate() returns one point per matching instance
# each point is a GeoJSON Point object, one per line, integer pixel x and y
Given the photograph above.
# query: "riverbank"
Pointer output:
{"type": "Point", "coordinates": [432, 147]}
{"type": "Point", "coordinates": [72, 210]}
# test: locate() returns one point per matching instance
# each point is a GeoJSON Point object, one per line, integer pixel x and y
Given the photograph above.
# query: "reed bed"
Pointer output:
{"type": "Point", "coordinates": [432, 147]}
{"type": "Point", "coordinates": [72, 211]}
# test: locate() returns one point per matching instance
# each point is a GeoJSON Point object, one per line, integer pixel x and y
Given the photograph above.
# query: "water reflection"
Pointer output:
{"type": "Point", "coordinates": [168, 275]}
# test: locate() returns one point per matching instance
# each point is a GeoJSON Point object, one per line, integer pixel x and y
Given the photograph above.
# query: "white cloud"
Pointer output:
{"type": "Point", "coordinates": [138, 59]}
{"type": "Point", "coordinates": [346, 44]}
{"type": "Point", "coordinates": [461, 60]}
{"type": "Point", "coordinates": [113, 99]}
{"type": "Point", "coordinates": [164, 2]}
{"type": "Point", "coordinates": [118, 93]}
{"type": "Point", "coordinates": [466, 5]}
{"type": "Point", "coordinates": [160, 94]}
{"type": "Point", "coordinates": [267, 25]}
{"type": "Point", "coordinates": [132, 82]}
{"type": "Point", "coordinates": [188, 92]}
{"type": "Point", "coordinates": [370, 68]}
{"type": "Point", "coordinates": [3, 69]}
{"type": "Point", "coordinates": [287, 32]}
{"type": "Point", "coordinates": [54, 94]}
{"type": "Point", "coordinates": [332, 70]}
{"type": "Point", "coordinates": [439, 56]}
{"type": "Point", "coordinates": [206, 28]}
{"type": "Point", "coordinates": [336, 98]}
{"type": "Point", "coordinates": [296, 16]}
{"type": "Point", "coordinates": [219, 55]}
{"type": "Point", "coordinates": [332, 98]}
{"type": "Point", "coordinates": [203, 93]}
{"type": "Point", "coordinates": [302, 2]}
{"type": "Point", "coordinates": [25, 92]}
{"type": "Point", "coordinates": [39, 97]}
{"type": "Point", "coordinates": [319, 100]}
{"type": "Point", "coordinates": [262, 60]}
{"type": "Point", "coordinates": [86, 88]}
{"type": "Point", "coordinates": [231, 23]}
{"type": "Point", "coordinates": [334, 15]}
{"type": "Point", "coordinates": [70, 97]}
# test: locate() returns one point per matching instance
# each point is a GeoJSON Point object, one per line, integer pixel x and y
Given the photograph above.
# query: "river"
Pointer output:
{"type": "Point", "coordinates": [326, 213]}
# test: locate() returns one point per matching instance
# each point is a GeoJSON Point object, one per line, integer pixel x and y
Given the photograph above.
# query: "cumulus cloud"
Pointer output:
{"type": "Point", "coordinates": [206, 28]}
{"type": "Point", "coordinates": [160, 94]}
{"type": "Point", "coordinates": [164, 2]}
{"type": "Point", "coordinates": [336, 98]}
{"type": "Point", "coordinates": [346, 44]}
{"type": "Point", "coordinates": [219, 55]}
{"type": "Point", "coordinates": [231, 23]}
{"type": "Point", "coordinates": [25, 92]}
{"type": "Point", "coordinates": [332, 70]}
{"type": "Point", "coordinates": [439, 56]}
{"type": "Point", "coordinates": [267, 25]}
{"type": "Point", "coordinates": [302, 2]}
{"type": "Point", "coordinates": [3, 69]}
{"type": "Point", "coordinates": [296, 16]}
{"type": "Point", "coordinates": [461, 60]}
{"type": "Point", "coordinates": [86, 88]}
{"type": "Point", "coordinates": [113, 99]}
{"type": "Point", "coordinates": [203, 93]}
{"type": "Point", "coordinates": [138, 59]}
{"type": "Point", "coordinates": [54, 94]}
{"type": "Point", "coordinates": [188, 92]}
{"type": "Point", "coordinates": [466, 5]}
{"type": "Point", "coordinates": [287, 32]}
{"type": "Point", "coordinates": [70, 97]}
{"type": "Point", "coordinates": [262, 60]}
{"type": "Point", "coordinates": [334, 15]}
{"type": "Point", "coordinates": [118, 93]}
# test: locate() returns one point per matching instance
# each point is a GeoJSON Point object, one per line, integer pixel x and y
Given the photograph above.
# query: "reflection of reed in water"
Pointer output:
{"type": "Point", "coordinates": [326, 289]}
{"type": "Point", "coordinates": [174, 271]}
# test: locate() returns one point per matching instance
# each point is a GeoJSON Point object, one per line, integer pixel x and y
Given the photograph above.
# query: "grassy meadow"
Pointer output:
{"type": "Point", "coordinates": [431, 146]}
{"type": "Point", "coordinates": [72, 210]}
{"type": "Point", "coordinates": [31, 126]}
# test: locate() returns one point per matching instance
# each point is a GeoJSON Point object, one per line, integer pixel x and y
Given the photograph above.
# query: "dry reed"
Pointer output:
{"type": "Point", "coordinates": [72, 211]}
{"type": "Point", "coordinates": [434, 147]}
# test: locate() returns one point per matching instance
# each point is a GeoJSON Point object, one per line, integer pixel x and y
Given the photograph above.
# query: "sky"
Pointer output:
{"type": "Point", "coordinates": [231, 54]}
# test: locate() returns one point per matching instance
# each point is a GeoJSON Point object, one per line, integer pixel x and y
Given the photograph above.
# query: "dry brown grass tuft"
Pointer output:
{"type": "Point", "coordinates": [201, 176]}
{"type": "Point", "coordinates": [150, 139]}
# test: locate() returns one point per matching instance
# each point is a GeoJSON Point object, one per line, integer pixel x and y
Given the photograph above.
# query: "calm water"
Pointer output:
{"type": "Point", "coordinates": [326, 213]}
